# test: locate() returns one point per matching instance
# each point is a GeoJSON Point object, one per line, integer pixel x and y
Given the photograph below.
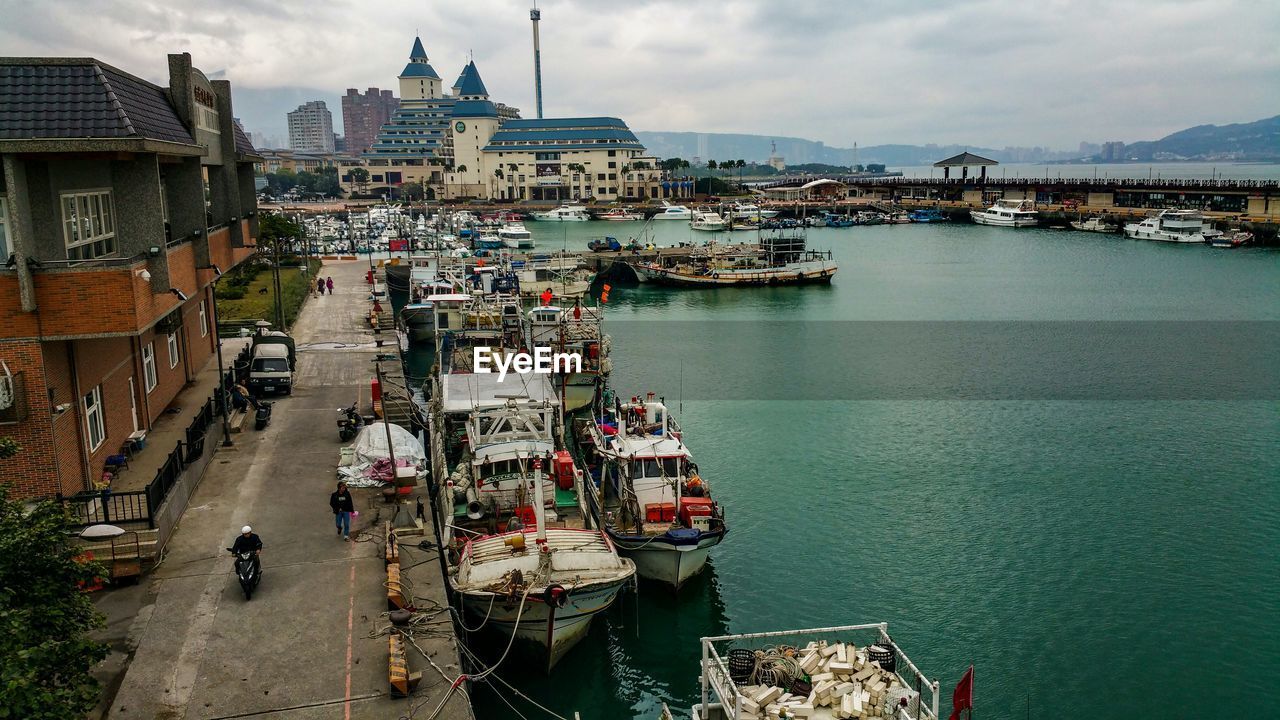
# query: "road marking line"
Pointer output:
{"type": "Point", "coordinates": [351, 614]}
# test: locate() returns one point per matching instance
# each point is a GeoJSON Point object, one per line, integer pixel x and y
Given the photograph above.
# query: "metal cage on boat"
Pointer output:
{"type": "Point", "coordinates": [723, 700]}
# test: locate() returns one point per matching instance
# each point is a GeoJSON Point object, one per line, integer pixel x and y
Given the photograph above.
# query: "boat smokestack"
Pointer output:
{"type": "Point", "coordinates": [535, 15]}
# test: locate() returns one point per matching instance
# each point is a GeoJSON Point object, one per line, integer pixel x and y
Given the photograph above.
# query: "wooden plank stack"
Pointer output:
{"type": "Point", "coordinates": [844, 685]}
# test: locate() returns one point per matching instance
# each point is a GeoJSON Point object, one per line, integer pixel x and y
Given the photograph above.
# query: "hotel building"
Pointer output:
{"type": "Point", "coordinates": [461, 144]}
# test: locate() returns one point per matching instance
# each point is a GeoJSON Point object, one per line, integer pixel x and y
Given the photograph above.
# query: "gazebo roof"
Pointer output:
{"type": "Point", "coordinates": [965, 158]}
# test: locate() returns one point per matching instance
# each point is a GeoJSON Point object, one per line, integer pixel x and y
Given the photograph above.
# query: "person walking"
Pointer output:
{"type": "Point", "coordinates": [340, 502]}
{"type": "Point", "coordinates": [329, 284]}
{"type": "Point", "coordinates": [320, 285]}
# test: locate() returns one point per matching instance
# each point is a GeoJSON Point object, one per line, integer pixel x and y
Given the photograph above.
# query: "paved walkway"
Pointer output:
{"type": "Point", "coordinates": [307, 645]}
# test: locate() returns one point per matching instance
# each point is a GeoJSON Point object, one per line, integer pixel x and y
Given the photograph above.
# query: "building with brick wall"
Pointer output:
{"type": "Point", "coordinates": [120, 203]}
{"type": "Point", "coordinates": [364, 114]}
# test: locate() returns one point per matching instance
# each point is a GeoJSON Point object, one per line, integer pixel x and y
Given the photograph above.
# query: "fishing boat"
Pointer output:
{"type": "Point", "coordinates": [673, 212]}
{"type": "Point", "coordinates": [1097, 224]}
{"type": "Point", "coordinates": [868, 217]}
{"type": "Point", "coordinates": [564, 213]}
{"type": "Point", "coordinates": [749, 211]}
{"type": "Point", "coordinates": [486, 242]}
{"type": "Point", "coordinates": [1175, 226]}
{"type": "Point", "coordinates": [561, 274]}
{"type": "Point", "coordinates": [900, 217]}
{"type": "Point", "coordinates": [1231, 240]}
{"type": "Point", "coordinates": [646, 493]}
{"type": "Point", "coordinates": [1008, 213]}
{"type": "Point", "coordinates": [576, 330]}
{"type": "Point", "coordinates": [620, 215]}
{"type": "Point", "coordinates": [843, 671]}
{"type": "Point", "coordinates": [926, 215]}
{"type": "Point", "coordinates": [544, 575]}
{"type": "Point", "coordinates": [780, 259]}
{"type": "Point", "coordinates": [515, 235]}
{"type": "Point", "coordinates": [707, 221]}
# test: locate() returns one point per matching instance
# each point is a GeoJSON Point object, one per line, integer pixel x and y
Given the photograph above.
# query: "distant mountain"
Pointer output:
{"type": "Point", "coordinates": [1255, 141]}
{"type": "Point", "coordinates": [798, 151]}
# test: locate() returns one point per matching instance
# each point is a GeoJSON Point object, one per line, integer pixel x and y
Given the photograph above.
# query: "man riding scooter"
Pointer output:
{"type": "Point", "coordinates": [247, 549]}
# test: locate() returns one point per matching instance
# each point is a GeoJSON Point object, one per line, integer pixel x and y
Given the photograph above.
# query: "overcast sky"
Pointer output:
{"type": "Point", "coordinates": [984, 73]}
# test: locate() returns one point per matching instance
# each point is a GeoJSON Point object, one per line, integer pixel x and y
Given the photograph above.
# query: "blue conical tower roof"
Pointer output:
{"type": "Point", "coordinates": [469, 83]}
{"type": "Point", "coordinates": [418, 51]}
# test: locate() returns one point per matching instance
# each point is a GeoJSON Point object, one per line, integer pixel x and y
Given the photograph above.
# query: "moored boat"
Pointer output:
{"type": "Point", "coordinates": [1007, 213]}
{"type": "Point", "coordinates": [1095, 224]}
{"type": "Point", "coordinates": [1231, 240]}
{"type": "Point", "coordinates": [646, 493]}
{"type": "Point", "coordinates": [781, 259]}
{"type": "Point", "coordinates": [707, 221]}
{"type": "Point", "coordinates": [926, 215]}
{"type": "Point", "coordinates": [620, 215]}
{"type": "Point", "coordinates": [1175, 226]}
{"type": "Point", "coordinates": [515, 235]}
{"type": "Point", "coordinates": [564, 213]}
{"type": "Point", "coordinates": [673, 212]}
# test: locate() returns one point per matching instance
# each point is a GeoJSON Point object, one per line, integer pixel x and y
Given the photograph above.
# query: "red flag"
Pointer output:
{"type": "Point", "coordinates": [963, 697]}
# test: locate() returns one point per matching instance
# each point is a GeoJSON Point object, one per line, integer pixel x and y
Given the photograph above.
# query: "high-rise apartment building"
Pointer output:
{"type": "Point", "coordinates": [363, 115]}
{"type": "Point", "coordinates": [311, 128]}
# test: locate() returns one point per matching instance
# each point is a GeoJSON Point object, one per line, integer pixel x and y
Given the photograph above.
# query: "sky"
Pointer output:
{"type": "Point", "coordinates": [1050, 72]}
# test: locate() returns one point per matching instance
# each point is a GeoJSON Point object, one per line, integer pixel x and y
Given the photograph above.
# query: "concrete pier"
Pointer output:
{"type": "Point", "coordinates": [312, 643]}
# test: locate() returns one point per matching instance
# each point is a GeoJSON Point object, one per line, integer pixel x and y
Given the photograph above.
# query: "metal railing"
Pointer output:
{"type": "Point", "coordinates": [93, 508]}
{"type": "Point", "coordinates": [166, 477]}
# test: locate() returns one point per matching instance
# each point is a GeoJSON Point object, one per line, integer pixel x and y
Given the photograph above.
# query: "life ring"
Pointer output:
{"type": "Point", "coordinates": [555, 596]}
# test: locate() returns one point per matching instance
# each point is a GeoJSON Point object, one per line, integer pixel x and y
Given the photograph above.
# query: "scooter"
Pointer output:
{"type": "Point", "coordinates": [350, 423]}
{"type": "Point", "coordinates": [247, 571]}
{"type": "Point", "coordinates": [262, 416]}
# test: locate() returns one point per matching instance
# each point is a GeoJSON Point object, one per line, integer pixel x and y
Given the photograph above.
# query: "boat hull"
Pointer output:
{"type": "Point", "coordinates": [556, 630]}
{"type": "Point", "coordinates": [983, 218]}
{"type": "Point", "coordinates": [799, 275]}
{"type": "Point", "coordinates": [1137, 233]}
{"type": "Point", "coordinates": [665, 562]}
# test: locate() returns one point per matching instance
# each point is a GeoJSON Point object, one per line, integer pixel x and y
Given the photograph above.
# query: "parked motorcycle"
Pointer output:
{"type": "Point", "coordinates": [350, 423]}
{"type": "Point", "coordinates": [247, 571]}
{"type": "Point", "coordinates": [262, 416]}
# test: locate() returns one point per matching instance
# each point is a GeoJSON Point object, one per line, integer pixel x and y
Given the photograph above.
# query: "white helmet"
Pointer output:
{"type": "Point", "coordinates": [246, 530]}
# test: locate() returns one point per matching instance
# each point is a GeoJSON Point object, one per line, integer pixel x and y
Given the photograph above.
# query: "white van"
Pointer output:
{"type": "Point", "coordinates": [269, 369]}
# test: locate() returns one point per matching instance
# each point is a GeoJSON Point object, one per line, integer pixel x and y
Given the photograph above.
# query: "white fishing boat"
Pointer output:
{"type": "Point", "coordinates": [673, 212]}
{"type": "Point", "coordinates": [780, 259]}
{"type": "Point", "coordinates": [516, 236]}
{"type": "Point", "coordinates": [1232, 240]}
{"type": "Point", "coordinates": [621, 215]}
{"type": "Point", "coordinates": [576, 330]}
{"type": "Point", "coordinates": [1175, 226]}
{"type": "Point", "coordinates": [1008, 213]}
{"type": "Point", "coordinates": [707, 221]}
{"type": "Point", "coordinates": [564, 213]}
{"type": "Point", "coordinates": [749, 211]}
{"type": "Point", "coordinates": [1095, 224]}
{"type": "Point", "coordinates": [650, 499]}
{"type": "Point", "coordinates": [846, 671]}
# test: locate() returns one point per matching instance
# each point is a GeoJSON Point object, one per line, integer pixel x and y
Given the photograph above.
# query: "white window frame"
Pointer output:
{"type": "Point", "coordinates": [149, 381]}
{"type": "Point", "coordinates": [207, 118]}
{"type": "Point", "coordinates": [172, 340]}
{"type": "Point", "coordinates": [88, 221]}
{"type": "Point", "coordinates": [93, 419]}
{"type": "Point", "coordinates": [204, 320]}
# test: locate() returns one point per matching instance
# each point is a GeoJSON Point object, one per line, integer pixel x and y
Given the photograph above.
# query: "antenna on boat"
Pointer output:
{"type": "Point", "coordinates": [681, 401]}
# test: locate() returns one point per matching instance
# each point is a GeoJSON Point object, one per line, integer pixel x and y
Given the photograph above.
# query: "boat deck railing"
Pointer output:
{"type": "Point", "coordinates": [718, 685]}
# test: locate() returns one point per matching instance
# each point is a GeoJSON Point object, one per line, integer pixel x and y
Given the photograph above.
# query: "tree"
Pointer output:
{"type": "Point", "coordinates": [360, 178]}
{"type": "Point", "coordinates": [45, 651]}
{"type": "Point", "coordinates": [8, 448]}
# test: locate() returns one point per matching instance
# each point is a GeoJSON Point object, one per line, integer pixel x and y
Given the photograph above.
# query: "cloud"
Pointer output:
{"type": "Point", "coordinates": [986, 72]}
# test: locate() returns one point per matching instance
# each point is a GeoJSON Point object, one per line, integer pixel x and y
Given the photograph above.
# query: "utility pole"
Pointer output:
{"type": "Point", "coordinates": [222, 377]}
{"type": "Point", "coordinates": [275, 270]}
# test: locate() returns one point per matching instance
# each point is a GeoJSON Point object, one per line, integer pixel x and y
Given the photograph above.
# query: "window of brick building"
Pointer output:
{"type": "Point", "coordinates": [88, 224]}
{"type": "Point", "coordinates": [204, 321]}
{"type": "Point", "coordinates": [95, 428]}
{"type": "Point", "coordinates": [149, 366]}
{"type": "Point", "coordinates": [173, 350]}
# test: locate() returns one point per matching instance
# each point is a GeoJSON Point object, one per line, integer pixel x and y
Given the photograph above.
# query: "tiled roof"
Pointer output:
{"type": "Point", "coordinates": [474, 108]}
{"type": "Point", "coordinates": [418, 51]}
{"type": "Point", "coordinates": [507, 134]}
{"type": "Point", "coordinates": [584, 122]}
{"type": "Point", "coordinates": [419, 69]}
{"type": "Point", "coordinates": [965, 158]}
{"type": "Point", "coordinates": [470, 82]}
{"type": "Point", "coordinates": [89, 100]}
{"type": "Point", "coordinates": [243, 145]}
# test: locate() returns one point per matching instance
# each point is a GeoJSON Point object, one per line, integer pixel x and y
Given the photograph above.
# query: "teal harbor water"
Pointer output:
{"type": "Point", "coordinates": [1094, 558]}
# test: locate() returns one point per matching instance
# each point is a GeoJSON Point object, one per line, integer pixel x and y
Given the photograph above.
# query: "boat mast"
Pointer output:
{"type": "Point", "coordinates": [539, 511]}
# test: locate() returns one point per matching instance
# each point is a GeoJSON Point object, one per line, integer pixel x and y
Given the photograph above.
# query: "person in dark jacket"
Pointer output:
{"type": "Point", "coordinates": [248, 541]}
{"type": "Point", "coordinates": [340, 502]}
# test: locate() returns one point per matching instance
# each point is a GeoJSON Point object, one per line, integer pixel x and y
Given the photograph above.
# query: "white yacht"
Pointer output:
{"type": "Point", "coordinates": [708, 221]}
{"type": "Point", "coordinates": [564, 213]}
{"type": "Point", "coordinates": [673, 212]}
{"type": "Point", "coordinates": [1094, 224]}
{"type": "Point", "coordinates": [749, 211]}
{"type": "Point", "coordinates": [1179, 226]}
{"type": "Point", "coordinates": [1008, 213]}
{"type": "Point", "coordinates": [515, 235]}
